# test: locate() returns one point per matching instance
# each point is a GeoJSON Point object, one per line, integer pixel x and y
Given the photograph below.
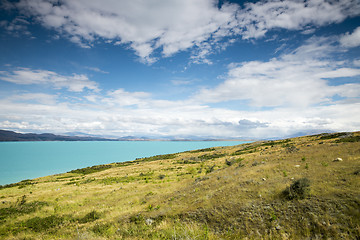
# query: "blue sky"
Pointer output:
{"type": "Point", "coordinates": [158, 68]}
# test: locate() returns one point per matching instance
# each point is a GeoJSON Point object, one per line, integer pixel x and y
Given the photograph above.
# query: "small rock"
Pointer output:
{"type": "Point", "coordinates": [297, 165]}
{"type": "Point", "coordinates": [338, 160]}
{"type": "Point", "coordinates": [149, 221]}
{"type": "Point", "coordinates": [278, 227]}
{"type": "Point", "coordinates": [264, 179]}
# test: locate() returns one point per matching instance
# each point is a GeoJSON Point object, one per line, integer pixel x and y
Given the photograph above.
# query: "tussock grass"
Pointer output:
{"type": "Point", "coordinates": [250, 191]}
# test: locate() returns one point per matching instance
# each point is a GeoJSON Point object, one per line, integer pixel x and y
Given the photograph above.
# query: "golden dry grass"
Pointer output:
{"type": "Point", "coordinates": [218, 193]}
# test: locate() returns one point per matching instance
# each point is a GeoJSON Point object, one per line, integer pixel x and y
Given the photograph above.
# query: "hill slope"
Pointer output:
{"type": "Point", "coordinates": [288, 189]}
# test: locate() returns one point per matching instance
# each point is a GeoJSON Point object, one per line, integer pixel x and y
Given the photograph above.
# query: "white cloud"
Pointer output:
{"type": "Point", "coordinates": [143, 25]}
{"type": "Point", "coordinates": [178, 25]}
{"type": "Point", "coordinates": [258, 18]}
{"type": "Point", "coordinates": [298, 79]}
{"type": "Point", "coordinates": [351, 40]}
{"type": "Point", "coordinates": [121, 98]}
{"type": "Point", "coordinates": [27, 76]}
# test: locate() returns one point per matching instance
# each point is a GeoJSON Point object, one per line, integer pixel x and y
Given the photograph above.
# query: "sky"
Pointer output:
{"type": "Point", "coordinates": [180, 68]}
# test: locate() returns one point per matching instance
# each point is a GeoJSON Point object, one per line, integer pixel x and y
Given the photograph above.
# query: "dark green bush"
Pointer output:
{"type": "Point", "coordinates": [21, 184]}
{"type": "Point", "coordinates": [90, 217]}
{"type": "Point", "coordinates": [93, 169]}
{"type": "Point", "coordinates": [102, 229]}
{"type": "Point", "coordinates": [203, 150]}
{"type": "Point", "coordinates": [137, 219]}
{"type": "Point", "coordinates": [299, 189]}
{"type": "Point", "coordinates": [38, 224]}
{"type": "Point", "coordinates": [229, 162]}
{"type": "Point", "coordinates": [349, 139]}
{"type": "Point", "coordinates": [325, 136]}
{"type": "Point", "coordinates": [210, 169]}
{"type": "Point", "coordinates": [212, 156]}
{"type": "Point", "coordinates": [22, 207]}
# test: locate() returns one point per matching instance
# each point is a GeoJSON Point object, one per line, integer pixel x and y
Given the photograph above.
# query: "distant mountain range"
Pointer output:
{"type": "Point", "coordinates": [10, 136]}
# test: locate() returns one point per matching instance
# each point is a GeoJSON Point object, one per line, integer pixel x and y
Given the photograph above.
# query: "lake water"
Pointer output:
{"type": "Point", "coordinates": [28, 160]}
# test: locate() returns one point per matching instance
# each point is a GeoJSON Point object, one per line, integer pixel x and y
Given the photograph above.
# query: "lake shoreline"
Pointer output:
{"type": "Point", "coordinates": [33, 159]}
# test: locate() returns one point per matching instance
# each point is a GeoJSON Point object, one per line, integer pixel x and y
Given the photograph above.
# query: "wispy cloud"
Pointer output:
{"type": "Point", "coordinates": [298, 79]}
{"type": "Point", "coordinates": [39, 98]}
{"type": "Point", "coordinates": [27, 76]}
{"type": "Point", "coordinates": [96, 69]}
{"type": "Point", "coordinates": [256, 19]}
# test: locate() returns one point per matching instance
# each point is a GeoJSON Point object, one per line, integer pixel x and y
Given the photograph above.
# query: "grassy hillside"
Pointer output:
{"type": "Point", "coordinates": [286, 189]}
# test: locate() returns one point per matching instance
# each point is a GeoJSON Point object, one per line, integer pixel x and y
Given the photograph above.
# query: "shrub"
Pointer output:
{"type": "Point", "coordinates": [300, 189]}
{"type": "Point", "coordinates": [137, 219]}
{"type": "Point", "coordinates": [233, 161]}
{"type": "Point", "coordinates": [103, 229]}
{"type": "Point", "coordinates": [349, 139]}
{"type": "Point", "coordinates": [21, 184]}
{"type": "Point", "coordinates": [93, 169]}
{"type": "Point", "coordinates": [38, 224]}
{"type": "Point", "coordinates": [229, 162]}
{"type": "Point", "coordinates": [210, 169]}
{"type": "Point", "coordinates": [291, 148]}
{"type": "Point", "coordinates": [20, 208]}
{"type": "Point", "coordinates": [90, 217]}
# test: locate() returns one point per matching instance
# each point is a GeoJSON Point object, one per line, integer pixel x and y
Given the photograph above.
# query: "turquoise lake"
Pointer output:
{"type": "Point", "coordinates": [28, 160]}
